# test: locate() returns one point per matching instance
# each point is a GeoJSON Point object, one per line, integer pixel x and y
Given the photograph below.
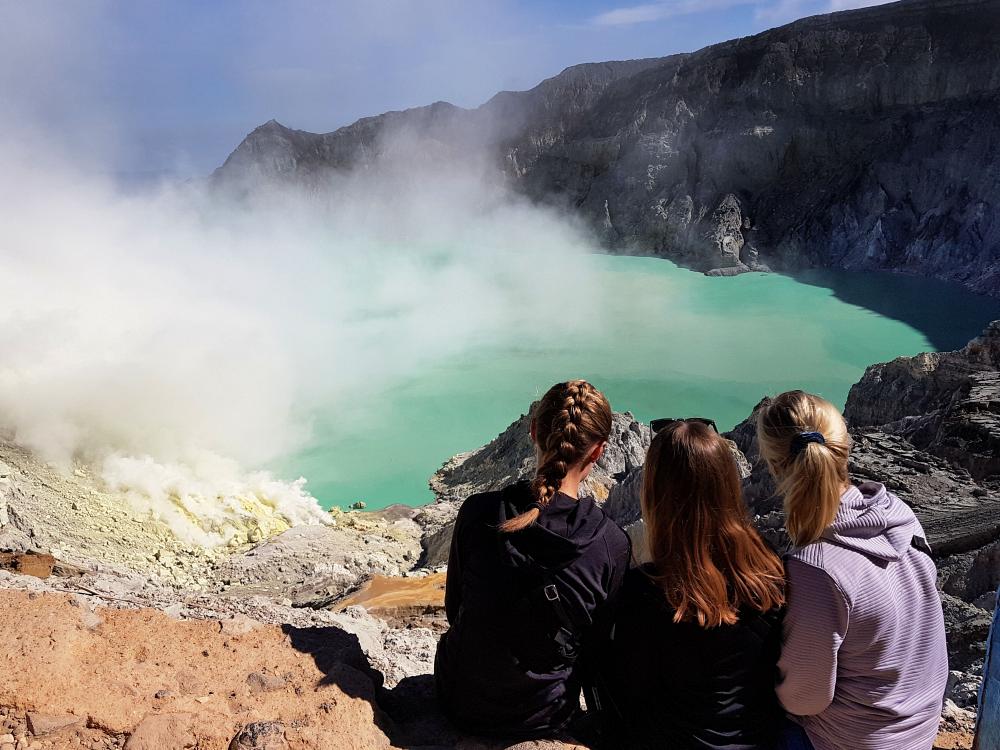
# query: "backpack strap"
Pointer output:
{"type": "Point", "coordinates": [568, 637]}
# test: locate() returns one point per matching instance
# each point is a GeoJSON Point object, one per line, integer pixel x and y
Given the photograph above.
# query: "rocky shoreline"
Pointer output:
{"type": "Point", "coordinates": [257, 630]}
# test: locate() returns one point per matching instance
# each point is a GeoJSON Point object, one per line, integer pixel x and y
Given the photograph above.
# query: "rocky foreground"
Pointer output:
{"type": "Point", "coordinates": [860, 140]}
{"type": "Point", "coordinates": [118, 634]}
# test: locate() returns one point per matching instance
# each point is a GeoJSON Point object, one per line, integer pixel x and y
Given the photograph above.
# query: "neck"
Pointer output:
{"type": "Point", "coordinates": [570, 484]}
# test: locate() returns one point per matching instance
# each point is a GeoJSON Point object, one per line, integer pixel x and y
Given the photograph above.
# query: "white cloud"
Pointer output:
{"type": "Point", "coordinates": [785, 11]}
{"type": "Point", "coordinates": [848, 4]}
{"type": "Point", "coordinates": [765, 11]}
{"type": "Point", "coordinates": [650, 12]}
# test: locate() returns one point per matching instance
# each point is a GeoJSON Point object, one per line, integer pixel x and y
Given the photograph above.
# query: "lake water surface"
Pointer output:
{"type": "Point", "coordinates": [659, 341]}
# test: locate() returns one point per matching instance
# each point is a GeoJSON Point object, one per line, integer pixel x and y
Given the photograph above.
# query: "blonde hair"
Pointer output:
{"type": "Point", "coordinates": [811, 472]}
{"type": "Point", "coordinates": [569, 419]}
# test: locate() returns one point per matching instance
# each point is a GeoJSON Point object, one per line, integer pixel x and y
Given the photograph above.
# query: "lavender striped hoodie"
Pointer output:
{"type": "Point", "coordinates": [864, 663]}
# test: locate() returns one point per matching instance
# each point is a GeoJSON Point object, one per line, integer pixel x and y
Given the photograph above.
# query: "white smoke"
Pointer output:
{"type": "Point", "coordinates": [176, 342]}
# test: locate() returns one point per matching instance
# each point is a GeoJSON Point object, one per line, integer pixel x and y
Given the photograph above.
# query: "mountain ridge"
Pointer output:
{"type": "Point", "coordinates": [861, 140]}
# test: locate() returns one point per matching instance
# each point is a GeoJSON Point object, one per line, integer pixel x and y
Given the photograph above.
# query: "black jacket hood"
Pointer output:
{"type": "Point", "coordinates": [565, 528]}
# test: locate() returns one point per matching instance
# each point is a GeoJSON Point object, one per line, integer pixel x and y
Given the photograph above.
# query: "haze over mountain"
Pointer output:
{"type": "Point", "coordinates": [859, 140]}
{"type": "Point", "coordinates": [146, 89]}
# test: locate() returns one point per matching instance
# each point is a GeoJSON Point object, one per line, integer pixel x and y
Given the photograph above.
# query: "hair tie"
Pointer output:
{"type": "Point", "coordinates": [800, 441]}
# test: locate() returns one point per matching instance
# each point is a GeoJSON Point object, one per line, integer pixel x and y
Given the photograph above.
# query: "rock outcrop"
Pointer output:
{"type": "Point", "coordinates": [947, 404]}
{"type": "Point", "coordinates": [859, 140]}
{"type": "Point", "coordinates": [509, 458]}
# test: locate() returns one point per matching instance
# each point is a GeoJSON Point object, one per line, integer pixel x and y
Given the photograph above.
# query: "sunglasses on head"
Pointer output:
{"type": "Point", "coordinates": [658, 424]}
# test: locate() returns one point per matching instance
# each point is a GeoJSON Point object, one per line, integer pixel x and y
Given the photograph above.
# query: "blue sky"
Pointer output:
{"type": "Point", "coordinates": [174, 86]}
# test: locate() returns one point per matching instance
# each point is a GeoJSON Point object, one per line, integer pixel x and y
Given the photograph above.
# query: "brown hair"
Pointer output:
{"type": "Point", "coordinates": [708, 557]}
{"type": "Point", "coordinates": [571, 418]}
{"type": "Point", "coordinates": [811, 475]}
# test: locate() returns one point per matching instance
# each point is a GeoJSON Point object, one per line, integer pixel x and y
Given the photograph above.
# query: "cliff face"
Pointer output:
{"type": "Point", "coordinates": [947, 404]}
{"type": "Point", "coordinates": [861, 140]}
{"type": "Point", "coordinates": [533, 119]}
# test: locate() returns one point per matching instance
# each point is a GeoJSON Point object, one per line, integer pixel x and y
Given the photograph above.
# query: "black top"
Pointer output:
{"type": "Point", "coordinates": [679, 685]}
{"type": "Point", "coordinates": [498, 668]}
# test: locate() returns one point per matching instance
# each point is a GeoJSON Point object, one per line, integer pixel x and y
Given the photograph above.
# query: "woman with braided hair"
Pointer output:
{"type": "Point", "coordinates": [864, 661]}
{"type": "Point", "coordinates": [532, 573]}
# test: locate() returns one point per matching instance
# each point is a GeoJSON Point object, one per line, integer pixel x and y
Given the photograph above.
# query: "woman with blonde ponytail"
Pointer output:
{"type": "Point", "coordinates": [864, 662]}
{"type": "Point", "coordinates": [532, 572]}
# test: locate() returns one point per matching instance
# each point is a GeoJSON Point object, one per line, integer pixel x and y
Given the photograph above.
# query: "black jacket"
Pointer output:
{"type": "Point", "coordinates": [680, 686]}
{"type": "Point", "coordinates": [498, 668]}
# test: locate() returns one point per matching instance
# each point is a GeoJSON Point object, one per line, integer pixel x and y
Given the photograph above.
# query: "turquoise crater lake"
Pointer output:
{"type": "Point", "coordinates": [660, 341]}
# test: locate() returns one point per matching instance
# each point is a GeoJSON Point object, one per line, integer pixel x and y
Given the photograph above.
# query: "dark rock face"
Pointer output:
{"type": "Point", "coordinates": [946, 404]}
{"type": "Point", "coordinates": [859, 140]}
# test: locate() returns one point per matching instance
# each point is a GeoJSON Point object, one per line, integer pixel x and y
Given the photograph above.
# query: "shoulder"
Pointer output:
{"type": "Point", "coordinates": [816, 570]}
{"type": "Point", "coordinates": [615, 534]}
{"type": "Point", "coordinates": [641, 578]}
{"type": "Point", "coordinates": [618, 543]}
{"type": "Point", "coordinates": [639, 586]}
{"type": "Point", "coordinates": [480, 506]}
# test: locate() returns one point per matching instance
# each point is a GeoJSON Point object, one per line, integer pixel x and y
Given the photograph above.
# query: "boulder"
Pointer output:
{"type": "Point", "coordinates": [261, 735]}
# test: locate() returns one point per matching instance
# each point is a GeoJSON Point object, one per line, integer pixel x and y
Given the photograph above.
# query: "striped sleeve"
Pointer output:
{"type": "Point", "coordinates": [815, 625]}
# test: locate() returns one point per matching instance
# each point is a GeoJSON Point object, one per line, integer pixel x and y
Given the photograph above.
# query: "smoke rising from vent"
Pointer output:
{"type": "Point", "coordinates": [178, 340]}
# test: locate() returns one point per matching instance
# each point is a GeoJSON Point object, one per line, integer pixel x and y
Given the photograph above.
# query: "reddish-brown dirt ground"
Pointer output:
{"type": "Point", "coordinates": [178, 684]}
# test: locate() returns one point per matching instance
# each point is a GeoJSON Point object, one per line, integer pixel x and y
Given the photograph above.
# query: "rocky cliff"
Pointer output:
{"type": "Point", "coordinates": [860, 140]}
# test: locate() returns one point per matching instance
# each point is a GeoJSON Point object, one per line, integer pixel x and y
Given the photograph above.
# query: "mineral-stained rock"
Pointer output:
{"type": "Point", "coordinates": [395, 598]}
{"type": "Point", "coordinates": [28, 563]}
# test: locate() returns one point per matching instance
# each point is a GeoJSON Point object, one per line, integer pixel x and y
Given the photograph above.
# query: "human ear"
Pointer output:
{"type": "Point", "coordinates": [597, 452]}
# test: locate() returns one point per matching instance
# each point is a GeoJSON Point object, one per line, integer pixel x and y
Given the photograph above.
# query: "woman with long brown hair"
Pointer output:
{"type": "Point", "coordinates": [692, 660]}
{"type": "Point", "coordinates": [864, 663]}
{"type": "Point", "coordinates": [531, 573]}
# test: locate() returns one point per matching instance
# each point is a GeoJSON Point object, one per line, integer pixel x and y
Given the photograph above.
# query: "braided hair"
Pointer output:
{"type": "Point", "coordinates": [569, 419]}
